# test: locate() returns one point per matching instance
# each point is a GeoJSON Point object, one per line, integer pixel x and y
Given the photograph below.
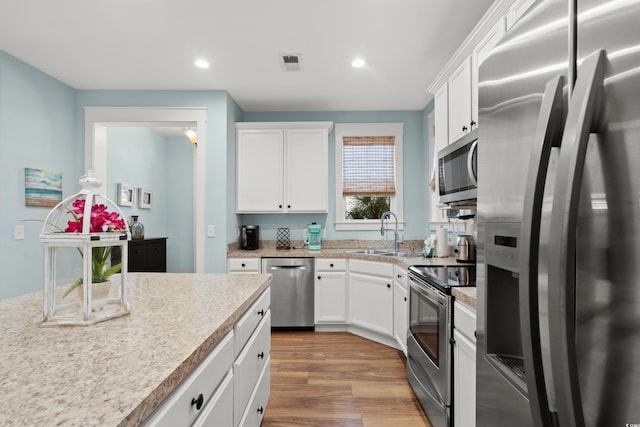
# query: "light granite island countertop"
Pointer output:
{"type": "Point", "coordinates": [115, 373]}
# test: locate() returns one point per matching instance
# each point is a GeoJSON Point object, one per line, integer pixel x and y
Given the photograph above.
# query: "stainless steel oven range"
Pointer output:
{"type": "Point", "coordinates": [429, 344]}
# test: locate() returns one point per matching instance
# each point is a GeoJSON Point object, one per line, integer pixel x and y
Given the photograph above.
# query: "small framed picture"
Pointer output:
{"type": "Point", "coordinates": [125, 195]}
{"type": "Point", "coordinates": [145, 197]}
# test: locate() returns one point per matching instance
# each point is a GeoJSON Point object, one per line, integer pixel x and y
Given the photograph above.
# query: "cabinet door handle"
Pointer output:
{"type": "Point", "coordinates": [288, 206]}
{"type": "Point", "coordinates": [198, 401]}
{"type": "Point", "coordinates": [473, 123]}
{"type": "Point", "coordinates": [243, 264]}
{"type": "Point", "coordinates": [405, 299]}
{"type": "Point", "coordinates": [464, 128]}
{"type": "Point", "coordinates": [261, 355]}
{"type": "Point", "coordinates": [280, 206]}
{"type": "Point", "coordinates": [319, 277]}
{"type": "Point", "coordinates": [261, 313]}
{"type": "Point", "coordinates": [260, 410]}
{"type": "Point", "coordinates": [331, 265]}
{"type": "Point", "coordinates": [399, 276]}
{"type": "Point", "coordinates": [388, 285]}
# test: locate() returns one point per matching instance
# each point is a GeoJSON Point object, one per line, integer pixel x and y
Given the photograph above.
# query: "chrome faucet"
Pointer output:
{"type": "Point", "coordinates": [396, 240]}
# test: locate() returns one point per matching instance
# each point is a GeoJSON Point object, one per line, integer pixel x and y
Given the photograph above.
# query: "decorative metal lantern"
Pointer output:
{"type": "Point", "coordinates": [81, 287]}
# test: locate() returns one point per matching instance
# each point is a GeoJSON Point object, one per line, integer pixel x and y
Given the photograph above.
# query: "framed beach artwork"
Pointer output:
{"type": "Point", "coordinates": [42, 188]}
{"type": "Point", "coordinates": [125, 194]}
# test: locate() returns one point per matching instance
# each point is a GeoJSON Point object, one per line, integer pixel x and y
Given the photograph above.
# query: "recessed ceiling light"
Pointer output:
{"type": "Point", "coordinates": [202, 63]}
{"type": "Point", "coordinates": [358, 63]}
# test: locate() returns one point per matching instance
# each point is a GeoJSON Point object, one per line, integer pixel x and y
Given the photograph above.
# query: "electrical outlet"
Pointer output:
{"type": "Point", "coordinates": [18, 232]}
{"type": "Point", "coordinates": [211, 231]}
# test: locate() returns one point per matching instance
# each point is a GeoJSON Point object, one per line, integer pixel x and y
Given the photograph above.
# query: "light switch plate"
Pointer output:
{"type": "Point", "coordinates": [211, 231]}
{"type": "Point", "coordinates": [18, 232]}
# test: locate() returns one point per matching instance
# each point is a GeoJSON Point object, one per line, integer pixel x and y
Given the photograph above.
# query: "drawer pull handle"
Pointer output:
{"type": "Point", "coordinates": [261, 313]}
{"type": "Point", "coordinates": [260, 410]}
{"type": "Point", "coordinates": [261, 355]}
{"type": "Point", "coordinates": [243, 264]}
{"type": "Point", "coordinates": [405, 299]}
{"type": "Point", "coordinates": [198, 401]}
{"type": "Point", "coordinates": [319, 277]}
{"type": "Point", "coordinates": [330, 265]}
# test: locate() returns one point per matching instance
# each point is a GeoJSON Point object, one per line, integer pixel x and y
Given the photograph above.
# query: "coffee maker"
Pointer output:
{"type": "Point", "coordinates": [314, 237]}
{"type": "Point", "coordinates": [249, 237]}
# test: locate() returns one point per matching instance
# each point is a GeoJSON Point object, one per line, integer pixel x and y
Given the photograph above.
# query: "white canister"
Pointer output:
{"type": "Point", "coordinates": [442, 242]}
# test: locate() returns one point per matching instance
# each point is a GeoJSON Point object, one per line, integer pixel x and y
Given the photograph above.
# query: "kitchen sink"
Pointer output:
{"type": "Point", "coordinates": [371, 251]}
{"type": "Point", "coordinates": [386, 252]}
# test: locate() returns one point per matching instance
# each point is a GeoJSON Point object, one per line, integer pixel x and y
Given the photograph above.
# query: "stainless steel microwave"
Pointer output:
{"type": "Point", "coordinates": [458, 171]}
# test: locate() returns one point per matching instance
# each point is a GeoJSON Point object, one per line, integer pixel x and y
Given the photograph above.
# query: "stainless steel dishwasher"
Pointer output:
{"type": "Point", "coordinates": [291, 291]}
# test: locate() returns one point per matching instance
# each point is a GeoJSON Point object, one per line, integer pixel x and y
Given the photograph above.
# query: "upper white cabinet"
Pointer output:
{"type": "Point", "coordinates": [282, 167]}
{"type": "Point", "coordinates": [517, 9]}
{"type": "Point", "coordinates": [441, 118]}
{"type": "Point", "coordinates": [480, 52]}
{"type": "Point", "coordinates": [460, 122]}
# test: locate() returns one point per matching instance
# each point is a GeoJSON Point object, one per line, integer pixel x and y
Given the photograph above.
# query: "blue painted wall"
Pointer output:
{"type": "Point", "coordinates": [146, 159]}
{"type": "Point", "coordinates": [37, 129]}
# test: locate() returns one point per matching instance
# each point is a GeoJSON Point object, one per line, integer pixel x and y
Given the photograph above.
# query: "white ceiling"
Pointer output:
{"type": "Point", "coordinates": [152, 44]}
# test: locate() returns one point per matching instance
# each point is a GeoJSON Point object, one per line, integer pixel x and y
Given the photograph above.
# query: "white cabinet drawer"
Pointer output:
{"type": "Point", "coordinates": [258, 403]}
{"type": "Point", "coordinates": [400, 276]}
{"type": "Point", "coordinates": [180, 407]}
{"type": "Point", "coordinates": [247, 265]}
{"type": "Point", "coordinates": [249, 365]}
{"type": "Point", "coordinates": [247, 324]}
{"type": "Point", "coordinates": [371, 268]}
{"type": "Point", "coordinates": [464, 320]}
{"type": "Point", "coordinates": [219, 409]}
{"type": "Point", "coordinates": [331, 264]}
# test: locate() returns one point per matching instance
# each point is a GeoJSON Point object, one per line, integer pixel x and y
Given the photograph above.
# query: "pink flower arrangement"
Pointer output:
{"type": "Point", "coordinates": [101, 220]}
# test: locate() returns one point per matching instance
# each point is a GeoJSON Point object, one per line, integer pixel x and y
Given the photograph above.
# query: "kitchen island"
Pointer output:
{"type": "Point", "coordinates": [116, 372]}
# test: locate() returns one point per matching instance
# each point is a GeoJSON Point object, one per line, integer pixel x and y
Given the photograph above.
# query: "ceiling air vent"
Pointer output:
{"type": "Point", "coordinates": [291, 61]}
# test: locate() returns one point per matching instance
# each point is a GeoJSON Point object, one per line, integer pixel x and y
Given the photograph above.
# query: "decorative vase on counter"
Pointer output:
{"type": "Point", "coordinates": [137, 229]}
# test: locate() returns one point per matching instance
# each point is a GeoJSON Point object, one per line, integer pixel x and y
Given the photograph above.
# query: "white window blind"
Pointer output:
{"type": "Point", "coordinates": [368, 166]}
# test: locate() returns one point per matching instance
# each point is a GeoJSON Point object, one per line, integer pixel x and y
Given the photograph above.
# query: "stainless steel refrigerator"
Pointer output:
{"type": "Point", "coordinates": [558, 250]}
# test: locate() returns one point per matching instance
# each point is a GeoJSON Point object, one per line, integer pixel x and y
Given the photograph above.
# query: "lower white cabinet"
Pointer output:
{"type": "Point", "coordinates": [464, 366]}
{"type": "Point", "coordinates": [400, 304]}
{"type": "Point", "coordinates": [330, 297]}
{"type": "Point", "coordinates": [243, 265]}
{"type": "Point", "coordinates": [371, 296]}
{"type": "Point", "coordinates": [221, 390]}
{"type": "Point", "coordinates": [249, 365]}
{"type": "Point", "coordinates": [219, 410]}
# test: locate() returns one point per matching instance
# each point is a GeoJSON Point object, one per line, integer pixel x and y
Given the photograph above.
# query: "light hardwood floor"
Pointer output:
{"type": "Point", "coordinates": [338, 379]}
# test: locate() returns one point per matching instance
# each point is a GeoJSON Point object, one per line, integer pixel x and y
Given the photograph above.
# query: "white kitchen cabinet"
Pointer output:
{"type": "Point", "coordinates": [282, 167]}
{"type": "Point", "coordinates": [371, 296]}
{"type": "Point", "coordinates": [516, 10]}
{"type": "Point", "coordinates": [243, 265]}
{"type": "Point", "coordinates": [330, 297]}
{"type": "Point", "coordinates": [441, 118]}
{"type": "Point", "coordinates": [464, 366]}
{"type": "Point", "coordinates": [459, 99]}
{"type": "Point", "coordinates": [400, 312]}
{"type": "Point", "coordinates": [480, 52]}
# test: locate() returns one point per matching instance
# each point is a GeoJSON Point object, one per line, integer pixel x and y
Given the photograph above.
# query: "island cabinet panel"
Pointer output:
{"type": "Point", "coordinates": [249, 365]}
{"type": "Point", "coordinates": [219, 410]}
{"type": "Point", "coordinates": [184, 405]}
{"type": "Point", "coordinates": [464, 365]}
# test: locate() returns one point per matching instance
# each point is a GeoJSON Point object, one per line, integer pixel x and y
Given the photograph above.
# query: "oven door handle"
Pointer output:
{"type": "Point", "coordinates": [429, 292]}
{"type": "Point", "coordinates": [548, 134]}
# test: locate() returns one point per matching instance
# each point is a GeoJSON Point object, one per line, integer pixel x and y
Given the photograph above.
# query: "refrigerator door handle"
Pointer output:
{"type": "Point", "coordinates": [583, 118]}
{"type": "Point", "coordinates": [547, 135]}
{"type": "Point", "coordinates": [472, 152]}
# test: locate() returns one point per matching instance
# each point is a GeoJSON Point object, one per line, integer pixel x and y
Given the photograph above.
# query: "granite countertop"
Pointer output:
{"type": "Point", "coordinates": [118, 371]}
{"type": "Point", "coordinates": [464, 295]}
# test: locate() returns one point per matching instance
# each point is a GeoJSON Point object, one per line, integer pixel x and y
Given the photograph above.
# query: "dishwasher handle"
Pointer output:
{"type": "Point", "coordinates": [288, 267]}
